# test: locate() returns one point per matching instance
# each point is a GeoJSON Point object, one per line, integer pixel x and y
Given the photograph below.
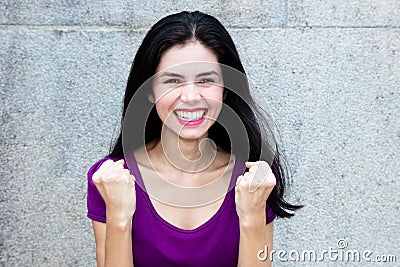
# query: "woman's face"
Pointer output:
{"type": "Point", "coordinates": [188, 90]}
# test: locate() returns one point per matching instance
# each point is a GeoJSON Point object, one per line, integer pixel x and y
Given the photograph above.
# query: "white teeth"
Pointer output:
{"type": "Point", "coordinates": [190, 116]}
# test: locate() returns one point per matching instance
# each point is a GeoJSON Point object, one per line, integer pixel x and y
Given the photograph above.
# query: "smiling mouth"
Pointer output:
{"type": "Point", "coordinates": [190, 115]}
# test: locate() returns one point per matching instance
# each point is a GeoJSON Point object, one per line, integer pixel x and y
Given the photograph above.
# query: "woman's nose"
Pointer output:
{"type": "Point", "coordinates": [190, 92]}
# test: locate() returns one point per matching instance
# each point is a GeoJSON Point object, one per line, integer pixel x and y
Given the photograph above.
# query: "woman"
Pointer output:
{"type": "Point", "coordinates": [192, 216]}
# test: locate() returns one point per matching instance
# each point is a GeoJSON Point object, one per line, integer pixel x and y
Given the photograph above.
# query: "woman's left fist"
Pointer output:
{"type": "Point", "coordinates": [253, 189]}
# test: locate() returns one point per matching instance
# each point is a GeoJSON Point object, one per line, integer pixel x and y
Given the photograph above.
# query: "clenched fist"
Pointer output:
{"type": "Point", "coordinates": [252, 191]}
{"type": "Point", "coordinates": [117, 187]}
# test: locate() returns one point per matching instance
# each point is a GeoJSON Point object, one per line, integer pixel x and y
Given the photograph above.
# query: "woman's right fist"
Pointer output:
{"type": "Point", "coordinates": [117, 187]}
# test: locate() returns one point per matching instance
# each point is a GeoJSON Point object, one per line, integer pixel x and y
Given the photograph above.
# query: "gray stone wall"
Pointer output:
{"type": "Point", "coordinates": [329, 71]}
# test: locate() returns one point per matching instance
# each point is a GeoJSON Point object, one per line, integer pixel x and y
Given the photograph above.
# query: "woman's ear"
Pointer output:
{"type": "Point", "coordinates": [150, 97]}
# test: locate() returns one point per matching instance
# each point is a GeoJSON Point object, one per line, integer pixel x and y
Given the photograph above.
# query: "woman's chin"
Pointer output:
{"type": "Point", "coordinates": [192, 134]}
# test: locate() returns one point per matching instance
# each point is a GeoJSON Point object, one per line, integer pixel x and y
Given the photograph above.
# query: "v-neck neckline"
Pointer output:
{"type": "Point", "coordinates": [227, 197]}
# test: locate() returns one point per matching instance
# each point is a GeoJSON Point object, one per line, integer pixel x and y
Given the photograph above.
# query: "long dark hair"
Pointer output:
{"type": "Point", "coordinates": [183, 27]}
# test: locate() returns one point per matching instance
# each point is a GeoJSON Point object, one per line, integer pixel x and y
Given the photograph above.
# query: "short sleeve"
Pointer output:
{"type": "Point", "coordinates": [96, 208]}
{"type": "Point", "coordinates": [270, 214]}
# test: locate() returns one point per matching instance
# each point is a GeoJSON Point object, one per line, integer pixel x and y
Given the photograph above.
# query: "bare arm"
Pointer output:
{"type": "Point", "coordinates": [251, 192]}
{"type": "Point", "coordinates": [254, 238]}
{"type": "Point", "coordinates": [99, 230]}
{"type": "Point", "coordinates": [113, 244]}
{"type": "Point", "coordinates": [114, 238]}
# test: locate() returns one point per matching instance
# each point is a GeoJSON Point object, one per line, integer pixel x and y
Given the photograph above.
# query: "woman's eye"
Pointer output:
{"type": "Point", "coordinates": [172, 81]}
{"type": "Point", "coordinates": [207, 80]}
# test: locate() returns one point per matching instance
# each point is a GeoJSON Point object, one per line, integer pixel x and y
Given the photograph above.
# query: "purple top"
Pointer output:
{"type": "Point", "coordinates": [156, 242]}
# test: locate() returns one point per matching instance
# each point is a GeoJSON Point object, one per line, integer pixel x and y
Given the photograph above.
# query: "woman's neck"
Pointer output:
{"type": "Point", "coordinates": [186, 155]}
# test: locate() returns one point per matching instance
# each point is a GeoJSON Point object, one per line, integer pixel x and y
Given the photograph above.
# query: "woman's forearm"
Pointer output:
{"type": "Point", "coordinates": [253, 238]}
{"type": "Point", "coordinates": [118, 247]}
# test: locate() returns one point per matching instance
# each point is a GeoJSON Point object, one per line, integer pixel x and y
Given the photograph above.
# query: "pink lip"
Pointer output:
{"type": "Point", "coordinates": [190, 123]}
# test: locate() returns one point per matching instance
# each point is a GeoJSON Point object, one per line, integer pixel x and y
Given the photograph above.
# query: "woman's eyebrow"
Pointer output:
{"type": "Point", "coordinates": [213, 72]}
{"type": "Point", "coordinates": [171, 74]}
